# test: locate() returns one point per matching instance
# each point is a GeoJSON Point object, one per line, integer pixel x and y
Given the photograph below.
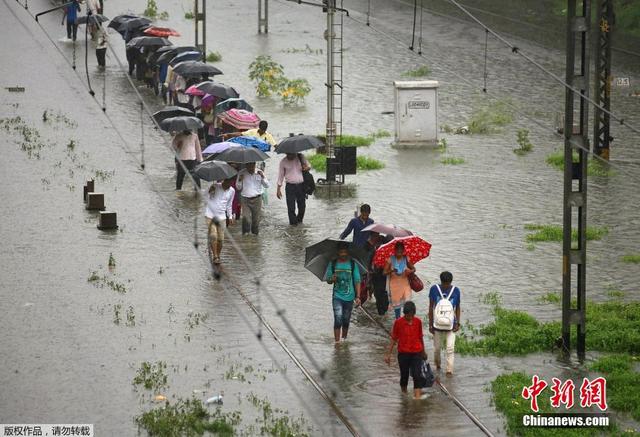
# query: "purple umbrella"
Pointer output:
{"type": "Point", "coordinates": [219, 147]}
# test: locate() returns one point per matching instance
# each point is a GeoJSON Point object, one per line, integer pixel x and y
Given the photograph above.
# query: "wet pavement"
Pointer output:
{"type": "Point", "coordinates": [64, 359]}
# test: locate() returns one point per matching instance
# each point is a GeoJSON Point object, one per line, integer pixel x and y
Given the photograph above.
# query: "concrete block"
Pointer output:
{"type": "Point", "coordinates": [95, 201]}
{"type": "Point", "coordinates": [108, 220]}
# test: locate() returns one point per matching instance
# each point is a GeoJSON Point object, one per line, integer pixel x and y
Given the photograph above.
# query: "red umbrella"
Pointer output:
{"type": "Point", "coordinates": [161, 31]}
{"type": "Point", "coordinates": [240, 119]}
{"type": "Point", "coordinates": [415, 248]}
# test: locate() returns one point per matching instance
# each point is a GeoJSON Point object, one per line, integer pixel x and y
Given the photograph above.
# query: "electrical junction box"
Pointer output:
{"type": "Point", "coordinates": [416, 112]}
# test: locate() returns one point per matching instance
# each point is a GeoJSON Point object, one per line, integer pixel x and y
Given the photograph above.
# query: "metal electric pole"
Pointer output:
{"type": "Point", "coordinates": [263, 16]}
{"type": "Point", "coordinates": [200, 19]}
{"type": "Point", "coordinates": [602, 85]}
{"type": "Point", "coordinates": [576, 143]}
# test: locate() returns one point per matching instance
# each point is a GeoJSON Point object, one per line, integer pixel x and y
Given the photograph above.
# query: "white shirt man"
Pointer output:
{"type": "Point", "coordinates": [218, 210]}
{"type": "Point", "coordinates": [251, 183]}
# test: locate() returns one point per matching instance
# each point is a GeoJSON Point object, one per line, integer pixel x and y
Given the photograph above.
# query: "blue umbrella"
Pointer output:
{"type": "Point", "coordinates": [254, 142]}
{"type": "Point", "coordinates": [186, 56]}
{"type": "Point", "coordinates": [233, 103]}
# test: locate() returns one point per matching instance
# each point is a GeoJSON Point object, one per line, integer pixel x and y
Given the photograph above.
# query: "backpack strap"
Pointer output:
{"type": "Point", "coordinates": [442, 295]}
{"type": "Point", "coordinates": [353, 276]}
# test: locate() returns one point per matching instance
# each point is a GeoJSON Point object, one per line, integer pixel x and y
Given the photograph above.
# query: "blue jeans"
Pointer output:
{"type": "Point", "coordinates": [341, 313]}
{"type": "Point", "coordinates": [397, 312]}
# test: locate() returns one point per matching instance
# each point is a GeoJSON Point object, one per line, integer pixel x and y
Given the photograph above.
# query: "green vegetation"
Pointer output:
{"type": "Point", "coordinates": [451, 160]}
{"type": "Point", "coordinates": [318, 162]}
{"type": "Point", "coordinates": [29, 138]}
{"type": "Point", "coordinates": [381, 133]}
{"type": "Point", "coordinates": [442, 145]}
{"type": "Point", "coordinates": [611, 327]}
{"type": "Point", "coordinates": [307, 50]}
{"type": "Point", "coordinates": [270, 79]}
{"type": "Point", "coordinates": [507, 397]}
{"type": "Point", "coordinates": [187, 417]}
{"type": "Point", "coordinates": [189, 15]}
{"type": "Point", "coordinates": [422, 71]}
{"type": "Point", "coordinates": [551, 298]}
{"type": "Point", "coordinates": [633, 259]}
{"type": "Point", "coordinates": [594, 166]}
{"type": "Point", "coordinates": [152, 11]}
{"type": "Point", "coordinates": [112, 261]}
{"type": "Point", "coordinates": [523, 142]}
{"type": "Point", "coordinates": [554, 233]}
{"type": "Point", "coordinates": [619, 294]}
{"type": "Point", "coordinates": [151, 376]}
{"type": "Point", "coordinates": [214, 57]}
{"type": "Point", "coordinates": [488, 119]}
{"type": "Point", "coordinates": [276, 422]}
{"type": "Point", "coordinates": [492, 299]}
{"type": "Point", "coordinates": [623, 383]}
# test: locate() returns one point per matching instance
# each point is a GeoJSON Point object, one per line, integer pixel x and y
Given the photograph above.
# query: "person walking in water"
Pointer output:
{"type": "Point", "coordinates": [187, 146]}
{"type": "Point", "coordinates": [101, 46]}
{"type": "Point", "coordinates": [444, 318]}
{"type": "Point", "coordinates": [291, 168]}
{"type": "Point", "coordinates": [407, 333]}
{"type": "Point", "coordinates": [344, 274]}
{"type": "Point", "coordinates": [398, 269]}
{"type": "Point", "coordinates": [71, 14]}
{"type": "Point", "coordinates": [218, 213]}
{"type": "Point", "coordinates": [251, 184]}
{"type": "Point", "coordinates": [357, 224]}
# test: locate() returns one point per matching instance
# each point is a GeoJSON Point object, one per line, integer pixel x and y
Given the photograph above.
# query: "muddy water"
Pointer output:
{"type": "Point", "coordinates": [69, 361]}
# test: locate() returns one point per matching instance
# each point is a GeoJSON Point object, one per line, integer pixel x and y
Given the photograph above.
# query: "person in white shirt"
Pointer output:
{"type": "Point", "coordinates": [217, 212]}
{"type": "Point", "coordinates": [251, 184]}
{"type": "Point", "coordinates": [187, 145]}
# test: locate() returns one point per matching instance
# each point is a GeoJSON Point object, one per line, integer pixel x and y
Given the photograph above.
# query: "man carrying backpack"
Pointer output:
{"type": "Point", "coordinates": [345, 276]}
{"type": "Point", "coordinates": [444, 318]}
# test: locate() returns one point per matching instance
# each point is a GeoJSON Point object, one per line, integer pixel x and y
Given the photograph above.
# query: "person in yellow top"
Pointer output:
{"type": "Point", "coordinates": [260, 133]}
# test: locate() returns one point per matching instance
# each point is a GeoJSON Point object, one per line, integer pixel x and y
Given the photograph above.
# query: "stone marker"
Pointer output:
{"type": "Point", "coordinates": [88, 188]}
{"type": "Point", "coordinates": [95, 201]}
{"type": "Point", "coordinates": [108, 220]}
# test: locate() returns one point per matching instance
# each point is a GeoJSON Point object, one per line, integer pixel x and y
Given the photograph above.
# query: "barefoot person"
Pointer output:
{"type": "Point", "coordinates": [444, 318]}
{"type": "Point", "coordinates": [345, 276]}
{"type": "Point", "coordinates": [251, 184]}
{"type": "Point", "coordinates": [218, 212]}
{"type": "Point", "coordinates": [398, 269]}
{"type": "Point", "coordinates": [407, 333]}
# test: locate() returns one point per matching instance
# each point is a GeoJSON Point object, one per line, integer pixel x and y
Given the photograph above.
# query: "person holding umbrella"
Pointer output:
{"type": "Point", "coordinates": [218, 213]}
{"type": "Point", "coordinates": [101, 46]}
{"type": "Point", "coordinates": [71, 14]}
{"type": "Point", "coordinates": [398, 269]}
{"type": "Point", "coordinates": [251, 184]}
{"type": "Point", "coordinates": [187, 146]}
{"type": "Point", "coordinates": [344, 274]}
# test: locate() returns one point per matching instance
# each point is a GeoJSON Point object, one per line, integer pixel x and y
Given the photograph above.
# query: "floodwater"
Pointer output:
{"type": "Point", "coordinates": [64, 359]}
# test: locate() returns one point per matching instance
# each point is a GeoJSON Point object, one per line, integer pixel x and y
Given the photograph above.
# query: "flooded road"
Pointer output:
{"type": "Point", "coordinates": [68, 360]}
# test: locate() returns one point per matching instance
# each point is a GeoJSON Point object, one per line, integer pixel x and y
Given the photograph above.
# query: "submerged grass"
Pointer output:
{"type": "Point", "coordinates": [151, 376]}
{"type": "Point", "coordinates": [554, 233]}
{"type": "Point", "coordinates": [422, 71]}
{"type": "Point", "coordinates": [452, 160]}
{"type": "Point", "coordinates": [594, 167]}
{"type": "Point", "coordinates": [346, 140]}
{"type": "Point", "coordinates": [632, 259]}
{"type": "Point", "coordinates": [488, 119]}
{"type": "Point", "coordinates": [214, 57]}
{"type": "Point", "coordinates": [623, 382]}
{"type": "Point", "coordinates": [318, 162]}
{"type": "Point", "coordinates": [611, 327]}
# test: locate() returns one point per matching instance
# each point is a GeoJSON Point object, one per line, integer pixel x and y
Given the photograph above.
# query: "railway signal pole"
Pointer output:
{"type": "Point", "coordinates": [576, 143]}
{"type": "Point", "coordinates": [602, 87]}
{"type": "Point", "coordinates": [200, 19]}
{"type": "Point", "coordinates": [263, 16]}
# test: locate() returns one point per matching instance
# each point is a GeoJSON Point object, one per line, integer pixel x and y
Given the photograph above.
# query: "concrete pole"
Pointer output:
{"type": "Point", "coordinates": [331, 127]}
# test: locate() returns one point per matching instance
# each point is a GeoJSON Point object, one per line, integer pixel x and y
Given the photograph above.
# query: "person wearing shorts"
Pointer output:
{"type": "Point", "coordinates": [217, 212]}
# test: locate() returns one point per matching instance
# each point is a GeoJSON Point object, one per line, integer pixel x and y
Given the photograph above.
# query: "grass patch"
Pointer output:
{"type": "Point", "coordinates": [490, 118]}
{"type": "Point", "coordinates": [422, 71]}
{"type": "Point", "coordinates": [554, 233]}
{"type": "Point", "coordinates": [594, 167]}
{"type": "Point", "coordinates": [623, 383]}
{"type": "Point", "coordinates": [189, 15]}
{"type": "Point", "coordinates": [452, 160]}
{"type": "Point", "coordinates": [442, 145]}
{"type": "Point", "coordinates": [151, 376]}
{"type": "Point", "coordinates": [523, 142]}
{"type": "Point", "coordinates": [551, 298]}
{"type": "Point", "coordinates": [152, 12]}
{"type": "Point", "coordinates": [214, 57]}
{"type": "Point", "coordinates": [318, 162]}
{"type": "Point", "coordinates": [611, 327]}
{"type": "Point", "coordinates": [615, 293]}
{"type": "Point", "coordinates": [507, 397]}
{"type": "Point", "coordinates": [631, 259]}
{"type": "Point", "coordinates": [346, 140]}
{"type": "Point", "coordinates": [381, 133]}
{"type": "Point", "coordinates": [187, 417]}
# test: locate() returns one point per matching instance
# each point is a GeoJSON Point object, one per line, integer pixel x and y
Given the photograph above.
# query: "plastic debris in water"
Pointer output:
{"type": "Point", "coordinates": [199, 392]}
{"type": "Point", "coordinates": [214, 400]}
{"type": "Point", "coordinates": [159, 398]}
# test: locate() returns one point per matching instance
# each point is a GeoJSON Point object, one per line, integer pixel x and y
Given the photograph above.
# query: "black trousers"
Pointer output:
{"type": "Point", "coordinates": [72, 30]}
{"type": "Point", "coordinates": [100, 56]}
{"type": "Point", "coordinates": [378, 282]}
{"type": "Point", "coordinates": [190, 164]}
{"type": "Point", "coordinates": [410, 365]}
{"type": "Point", "coordinates": [295, 195]}
{"type": "Point", "coordinates": [131, 59]}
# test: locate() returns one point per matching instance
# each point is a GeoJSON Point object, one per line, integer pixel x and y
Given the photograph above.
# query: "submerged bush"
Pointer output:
{"type": "Point", "coordinates": [318, 162]}
{"type": "Point", "coordinates": [489, 118]}
{"type": "Point", "coordinates": [554, 233]}
{"type": "Point", "coordinates": [422, 71]}
{"type": "Point", "coordinates": [594, 166]}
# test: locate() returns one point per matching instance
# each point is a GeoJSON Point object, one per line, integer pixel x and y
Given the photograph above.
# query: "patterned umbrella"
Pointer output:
{"type": "Point", "coordinates": [416, 249]}
{"type": "Point", "coordinates": [194, 91]}
{"type": "Point", "coordinates": [160, 31]}
{"type": "Point", "coordinates": [240, 119]}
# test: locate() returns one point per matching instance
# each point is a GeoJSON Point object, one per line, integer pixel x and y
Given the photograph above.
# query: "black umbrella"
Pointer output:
{"type": "Point", "coordinates": [166, 54]}
{"type": "Point", "coordinates": [298, 143]}
{"type": "Point", "coordinates": [93, 19]}
{"type": "Point", "coordinates": [218, 89]}
{"type": "Point", "coordinates": [132, 26]}
{"type": "Point", "coordinates": [194, 55]}
{"type": "Point", "coordinates": [148, 41]}
{"type": "Point", "coordinates": [181, 123]}
{"type": "Point", "coordinates": [317, 257]}
{"type": "Point", "coordinates": [214, 171]}
{"type": "Point", "coordinates": [195, 68]}
{"type": "Point", "coordinates": [117, 21]}
{"type": "Point", "coordinates": [172, 111]}
{"type": "Point", "coordinates": [242, 155]}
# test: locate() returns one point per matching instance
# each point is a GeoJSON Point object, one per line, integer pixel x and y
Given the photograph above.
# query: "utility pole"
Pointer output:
{"type": "Point", "coordinates": [200, 19]}
{"type": "Point", "coordinates": [602, 86]}
{"type": "Point", "coordinates": [263, 20]}
{"type": "Point", "coordinates": [576, 141]}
